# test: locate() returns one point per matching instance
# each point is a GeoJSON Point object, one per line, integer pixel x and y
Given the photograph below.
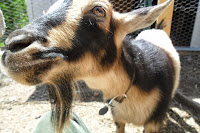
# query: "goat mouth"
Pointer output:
{"type": "Point", "coordinates": [50, 54]}
{"type": "Point", "coordinates": [17, 63]}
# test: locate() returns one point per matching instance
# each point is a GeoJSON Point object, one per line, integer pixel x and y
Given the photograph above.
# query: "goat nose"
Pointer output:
{"type": "Point", "coordinates": [18, 40]}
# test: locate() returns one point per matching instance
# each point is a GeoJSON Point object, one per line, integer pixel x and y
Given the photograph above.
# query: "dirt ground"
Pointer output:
{"type": "Point", "coordinates": [22, 106]}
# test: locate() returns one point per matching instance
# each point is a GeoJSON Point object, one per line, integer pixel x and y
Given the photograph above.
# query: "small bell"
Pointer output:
{"type": "Point", "coordinates": [103, 110]}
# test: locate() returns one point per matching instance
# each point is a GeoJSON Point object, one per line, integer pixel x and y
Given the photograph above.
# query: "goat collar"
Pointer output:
{"type": "Point", "coordinates": [113, 102]}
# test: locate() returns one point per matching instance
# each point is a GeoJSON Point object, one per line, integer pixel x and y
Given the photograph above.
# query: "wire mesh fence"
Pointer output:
{"type": "Point", "coordinates": [127, 5]}
{"type": "Point", "coordinates": [183, 22]}
{"type": "Point", "coordinates": [16, 16]}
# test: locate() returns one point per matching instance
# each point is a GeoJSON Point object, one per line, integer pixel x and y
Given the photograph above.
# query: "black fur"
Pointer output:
{"type": "Point", "coordinates": [38, 70]}
{"type": "Point", "coordinates": [61, 97]}
{"type": "Point", "coordinates": [3, 58]}
{"type": "Point", "coordinates": [161, 25]}
{"type": "Point", "coordinates": [153, 69]}
{"type": "Point", "coordinates": [33, 80]}
{"type": "Point", "coordinates": [90, 38]}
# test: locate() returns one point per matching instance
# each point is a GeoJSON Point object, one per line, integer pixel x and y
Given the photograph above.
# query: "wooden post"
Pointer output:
{"type": "Point", "coordinates": [167, 16]}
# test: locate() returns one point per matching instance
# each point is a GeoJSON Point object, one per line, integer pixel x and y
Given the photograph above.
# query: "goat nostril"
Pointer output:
{"type": "Point", "coordinates": [18, 42]}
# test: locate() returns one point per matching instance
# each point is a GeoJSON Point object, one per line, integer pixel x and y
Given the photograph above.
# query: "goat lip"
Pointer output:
{"type": "Point", "coordinates": [12, 63]}
{"type": "Point", "coordinates": [23, 66]}
{"type": "Point", "coordinates": [46, 56]}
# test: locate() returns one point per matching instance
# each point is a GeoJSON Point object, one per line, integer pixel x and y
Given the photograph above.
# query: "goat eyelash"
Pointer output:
{"type": "Point", "coordinates": [109, 32]}
{"type": "Point", "coordinates": [90, 22]}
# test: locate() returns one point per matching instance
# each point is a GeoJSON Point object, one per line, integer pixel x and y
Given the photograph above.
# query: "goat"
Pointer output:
{"type": "Point", "coordinates": [87, 40]}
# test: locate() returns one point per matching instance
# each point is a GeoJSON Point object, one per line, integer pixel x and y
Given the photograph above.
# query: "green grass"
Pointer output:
{"type": "Point", "coordinates": [2, 44]}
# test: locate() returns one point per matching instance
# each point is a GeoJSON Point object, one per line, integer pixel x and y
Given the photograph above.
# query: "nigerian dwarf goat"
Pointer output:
{"type": "Point", "coordinates": [86, 40]}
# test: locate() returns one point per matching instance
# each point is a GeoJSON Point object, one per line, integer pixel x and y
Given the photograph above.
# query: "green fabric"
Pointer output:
{"type": "Point", "coordinates": [76, 125]}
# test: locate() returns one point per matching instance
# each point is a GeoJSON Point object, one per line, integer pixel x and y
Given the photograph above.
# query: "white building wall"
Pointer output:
{"type": "Point", "coordinates": [37, 7]}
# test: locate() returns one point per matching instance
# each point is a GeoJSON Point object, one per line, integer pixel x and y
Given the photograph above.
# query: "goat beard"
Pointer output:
{"type": "Point", "coordinates": [61, 97]}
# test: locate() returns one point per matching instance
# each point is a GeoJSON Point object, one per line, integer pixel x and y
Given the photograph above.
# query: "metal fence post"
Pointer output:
{"type": "Point", "coordinates": [147, 3]}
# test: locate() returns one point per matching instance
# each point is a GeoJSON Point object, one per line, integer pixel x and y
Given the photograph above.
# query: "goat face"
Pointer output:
{"type": "Point", "coordinates": [73, 37]}
{"type": "Point", "coordinates": [78, 38]}
{"type": "Point", "coordinates": [73, 40]}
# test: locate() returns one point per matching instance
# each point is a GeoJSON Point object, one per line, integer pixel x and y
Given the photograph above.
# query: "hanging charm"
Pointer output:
{"type": "Point", "coordinates": [111, 103]}
{"type": "Point", "coordinates": [103, 110]}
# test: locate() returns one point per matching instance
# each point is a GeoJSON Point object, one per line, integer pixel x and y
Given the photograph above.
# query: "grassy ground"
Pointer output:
{"type": "Point", "coordinates": [1, 44]}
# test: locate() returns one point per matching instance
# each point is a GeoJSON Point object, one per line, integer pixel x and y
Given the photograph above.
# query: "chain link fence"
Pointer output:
{"type": "Point", "coordinates": [16, 16]}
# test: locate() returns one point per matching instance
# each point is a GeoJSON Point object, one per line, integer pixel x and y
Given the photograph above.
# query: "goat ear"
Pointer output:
{"type": "Point", "coordinates": [140, 18]}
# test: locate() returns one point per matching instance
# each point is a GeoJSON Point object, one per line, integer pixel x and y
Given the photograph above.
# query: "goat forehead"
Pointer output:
{"type": "Point", "coordinates": [56, 6]}
{"type": "Point", "coordinates": [77, 8]}
{"type": "Point", "coordinates": [71, 11]}
{"type": "Point", "coordinates": [80, 4]}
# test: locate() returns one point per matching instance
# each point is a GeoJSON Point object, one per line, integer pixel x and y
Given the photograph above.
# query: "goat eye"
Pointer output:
{"type": "Point", "coordinates": [98, 11]}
